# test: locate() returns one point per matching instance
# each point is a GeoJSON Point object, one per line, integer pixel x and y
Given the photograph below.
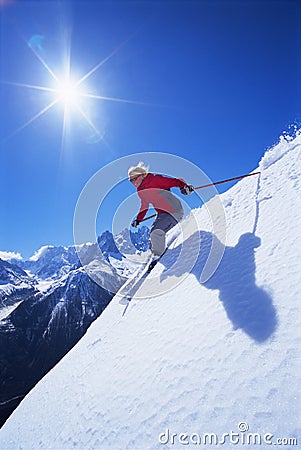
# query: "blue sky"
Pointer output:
{"type": "Point", "coordinates": [214, 82]}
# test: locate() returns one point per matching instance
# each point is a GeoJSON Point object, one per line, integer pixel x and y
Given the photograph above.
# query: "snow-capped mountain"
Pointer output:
{"type": "Point", "coordinates": [191, 363]}
{"type": "Point", "coordinates": [52, 262]}
{"type": "Point", "coordinates": [46, 309]}
{"type": "Point", "coordinates": [124, 243]}
{"type": "Point", "coordinates": [15, 286]}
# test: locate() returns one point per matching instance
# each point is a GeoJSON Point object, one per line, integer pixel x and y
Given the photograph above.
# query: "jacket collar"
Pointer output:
{"type": "Point", "coordinates": [145, 181]}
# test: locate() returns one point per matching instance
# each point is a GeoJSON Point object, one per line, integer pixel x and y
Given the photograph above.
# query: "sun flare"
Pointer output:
{"type": "Point", "coordinates": [68, 93]}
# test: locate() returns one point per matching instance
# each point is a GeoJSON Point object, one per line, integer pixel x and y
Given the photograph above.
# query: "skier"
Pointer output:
{"type": "Point", "coordinates": [155, 189]}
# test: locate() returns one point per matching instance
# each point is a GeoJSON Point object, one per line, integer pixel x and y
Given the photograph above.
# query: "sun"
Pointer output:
{"type": "Point", "coordinates": [68, 91]}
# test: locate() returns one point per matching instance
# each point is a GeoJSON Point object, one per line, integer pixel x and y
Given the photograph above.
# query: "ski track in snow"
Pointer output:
{"type": "Point", "coordinates": [199, 357]}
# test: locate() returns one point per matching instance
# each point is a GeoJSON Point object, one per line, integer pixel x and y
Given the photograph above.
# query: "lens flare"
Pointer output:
{"type": "Point", "coordinates": [67, 91]}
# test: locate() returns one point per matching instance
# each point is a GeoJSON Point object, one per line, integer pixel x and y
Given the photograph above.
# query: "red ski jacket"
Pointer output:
{"type": "Point", "coordinates": [155, 190]}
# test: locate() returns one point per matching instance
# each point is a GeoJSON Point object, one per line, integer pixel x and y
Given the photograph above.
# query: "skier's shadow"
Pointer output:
{"type": "Point", "coordinates": [248, 306]}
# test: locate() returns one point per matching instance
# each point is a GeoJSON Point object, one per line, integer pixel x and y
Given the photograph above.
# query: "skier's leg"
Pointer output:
{"type": "Point", "coordinates": [157, 238]}
{"type": "Point", "coordinates": [162, 224]}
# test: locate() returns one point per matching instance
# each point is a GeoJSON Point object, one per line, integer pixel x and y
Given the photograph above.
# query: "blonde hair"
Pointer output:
{"type": "Point", "coordinates": [140, 169]}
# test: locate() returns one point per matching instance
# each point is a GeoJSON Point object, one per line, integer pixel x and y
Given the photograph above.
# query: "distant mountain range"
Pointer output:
{"type": "Point", "coordinates": [48, 302]}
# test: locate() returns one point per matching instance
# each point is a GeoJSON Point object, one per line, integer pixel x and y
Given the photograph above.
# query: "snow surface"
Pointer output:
{"type": "Point", "coordinates": [217, 357]}
{"type": "Point", "coordinates": [41, 252]}
{"type": "Point", "coordinates": [6, 310]}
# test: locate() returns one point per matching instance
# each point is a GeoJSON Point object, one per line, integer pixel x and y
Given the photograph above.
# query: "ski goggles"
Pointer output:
{"type": "Point", "coordinates": [132, 179]}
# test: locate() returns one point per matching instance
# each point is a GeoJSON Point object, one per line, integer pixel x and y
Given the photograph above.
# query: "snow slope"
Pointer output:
{"type": "Point", "coordinates": [220, 357]}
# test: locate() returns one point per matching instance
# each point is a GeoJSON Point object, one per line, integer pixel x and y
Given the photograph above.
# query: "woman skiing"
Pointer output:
{"type": "Point", "coordinates": [155, 189]}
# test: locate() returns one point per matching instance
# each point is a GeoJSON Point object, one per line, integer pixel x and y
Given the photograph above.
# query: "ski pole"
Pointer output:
{"type": "Point", "coordinates": [148, 217]}
{"type": "Point", "coordinates": [226, 181]}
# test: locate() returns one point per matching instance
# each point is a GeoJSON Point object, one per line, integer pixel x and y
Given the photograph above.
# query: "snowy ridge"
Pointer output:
{"type": "Point", "coordinates": [41, 252]}
{"type": "Point", "coordinates": [8, 256]}
{"type": "Point", "coordinates": [15, 286]}
{"type": "Point", "coordinates": [274, 154]}
{"type": "Point", "coordinates": [216, 357]}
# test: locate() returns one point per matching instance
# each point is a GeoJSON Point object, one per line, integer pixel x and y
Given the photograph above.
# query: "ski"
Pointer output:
{"type": "Point", "coordinates": [126, 287]}
{"type": "Point", "coordinates": [130, 288]}
{"type": "Point", "coordinates": [132, 285]}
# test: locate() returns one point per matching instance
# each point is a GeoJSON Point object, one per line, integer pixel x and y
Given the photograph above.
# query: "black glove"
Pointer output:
{"type": "Point", "coordinates": [187, 189]}
{"type": "Point", "coordinates": [135, 223]}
